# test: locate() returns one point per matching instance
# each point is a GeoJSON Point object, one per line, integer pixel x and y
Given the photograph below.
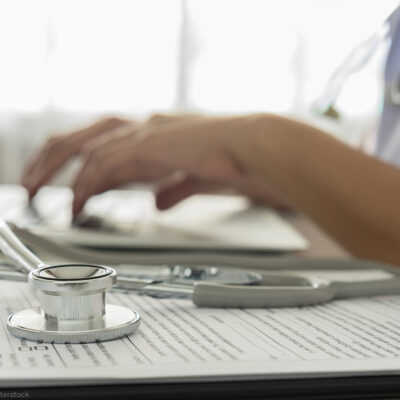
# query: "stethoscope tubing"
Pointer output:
{"type": "Point", "coordinates": [279, 289]}
{"type": "Point", "coordinates": [221, 295]}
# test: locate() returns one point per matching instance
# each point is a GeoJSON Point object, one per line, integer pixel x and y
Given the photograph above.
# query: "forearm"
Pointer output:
{"type": "Point", "coordinates": [352, 196]}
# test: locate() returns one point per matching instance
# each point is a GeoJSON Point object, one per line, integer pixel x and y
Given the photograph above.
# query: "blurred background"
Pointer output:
{"type": "Point", "coordinates": [65, 63]}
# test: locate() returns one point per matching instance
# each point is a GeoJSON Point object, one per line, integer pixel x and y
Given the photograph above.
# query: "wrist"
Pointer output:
{"type": "Point", "coordinates": [253, 139]}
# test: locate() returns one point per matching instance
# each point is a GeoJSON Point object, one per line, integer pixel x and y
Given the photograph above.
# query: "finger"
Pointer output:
{"type": "Point", "coordinates": [110, 165]}
{"type": "Point", "coordinates": [72, 140]}
{"type": "Point", "coordinates": [45, 164]}
{"type": "Point", "coordinates": [171, 193]}
{"type": "Point", "coordinates": [115, 178]}
{"type": "Point", "coordinates": [101, 158]}
{"type": "Point", "coordinates": [58, 150]}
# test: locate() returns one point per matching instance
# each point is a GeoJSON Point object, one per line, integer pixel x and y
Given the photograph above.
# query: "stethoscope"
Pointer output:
{"type": "Point", "coordinates": [72, 300]}
{"type": "Point", "coordinates": [73, 304]}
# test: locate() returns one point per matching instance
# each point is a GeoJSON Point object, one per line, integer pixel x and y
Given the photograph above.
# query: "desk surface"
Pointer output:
{"type": "Point", "coordinates": [352, 388]}
{"type": "Point", "coordinates": [321, 244]}
{"type": "Point", "coordinates": [368, 387]}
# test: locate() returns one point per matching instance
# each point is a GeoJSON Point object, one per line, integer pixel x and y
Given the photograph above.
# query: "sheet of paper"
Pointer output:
{"type": "Point", "coordinates": [178, 342]}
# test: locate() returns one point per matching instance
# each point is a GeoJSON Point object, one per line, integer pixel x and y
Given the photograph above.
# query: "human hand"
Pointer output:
{"type": "Point", "coordinates": [184, 157]}
{"type": "Point", "coordinates": [57, 150]}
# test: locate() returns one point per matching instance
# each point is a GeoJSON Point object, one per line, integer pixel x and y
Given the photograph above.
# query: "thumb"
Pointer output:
{"type": "Point", "coordinates": [169, 194]}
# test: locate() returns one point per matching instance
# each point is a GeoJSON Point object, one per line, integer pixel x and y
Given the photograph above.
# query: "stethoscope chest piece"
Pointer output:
{"type": "Point", "coordinates": [73, 307]}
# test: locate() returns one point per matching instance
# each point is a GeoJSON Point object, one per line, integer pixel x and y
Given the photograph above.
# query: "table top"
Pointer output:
{"type": "Point", "coordinates": [321, 244]}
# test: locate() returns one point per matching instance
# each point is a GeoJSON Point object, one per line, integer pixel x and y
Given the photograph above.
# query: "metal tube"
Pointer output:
{"type": "Point", "coordinates": [23, 259]}
{"type": "Point", "coordinates": [155, 288]}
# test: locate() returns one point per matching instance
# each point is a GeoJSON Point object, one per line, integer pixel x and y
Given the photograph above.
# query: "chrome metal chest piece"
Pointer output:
{"type": "Point", "coordinates": [73, 307]}
{"type": "Point", "coordinates": [72, 297]}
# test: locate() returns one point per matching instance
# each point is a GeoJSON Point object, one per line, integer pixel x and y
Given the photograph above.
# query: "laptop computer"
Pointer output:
{"type": "Point", "coordinates": [128, 219]}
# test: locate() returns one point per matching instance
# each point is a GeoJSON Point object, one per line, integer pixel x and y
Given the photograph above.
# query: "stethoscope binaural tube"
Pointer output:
{"type": "Point", "coordinates": [72, 296]}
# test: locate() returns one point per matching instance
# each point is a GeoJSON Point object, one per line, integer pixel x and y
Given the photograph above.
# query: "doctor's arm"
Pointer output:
{"type": "Point", "coordinates": [352, 196]}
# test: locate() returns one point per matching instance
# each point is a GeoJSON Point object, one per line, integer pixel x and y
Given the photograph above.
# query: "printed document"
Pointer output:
{"type": "Point", "coordinates": [178, 342]}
